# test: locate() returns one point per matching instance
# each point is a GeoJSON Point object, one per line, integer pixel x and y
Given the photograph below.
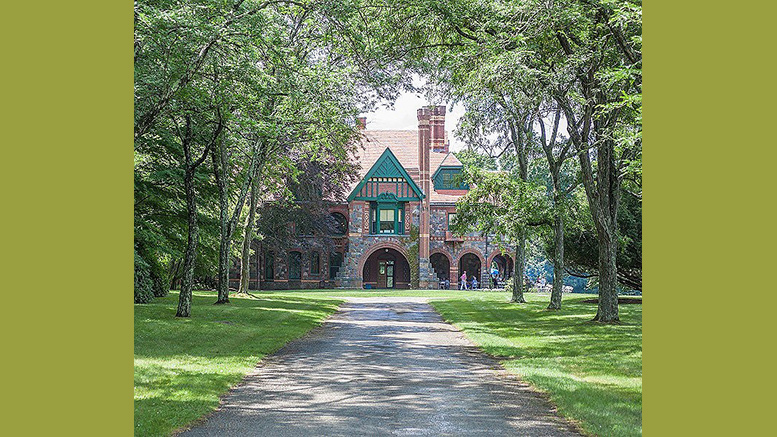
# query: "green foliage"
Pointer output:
{"type": "Point", "coordinates": [473, 159]}
{"type": "Point", "coordinates": [501, 205]}
{"type": "Point", "coordinates": [144, 292]}
{"type": "Point", "coordinates": [412, 243]}
{"type": "Point", "coordinates": [182, 367]}
{"type": "Point", "coordinates": [581, 246]}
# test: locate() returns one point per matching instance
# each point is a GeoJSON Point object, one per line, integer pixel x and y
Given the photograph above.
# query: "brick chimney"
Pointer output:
{"type": "Point", "coordinates": [361, 123]}
{"type": "Point", "coordinates": [431, 137]}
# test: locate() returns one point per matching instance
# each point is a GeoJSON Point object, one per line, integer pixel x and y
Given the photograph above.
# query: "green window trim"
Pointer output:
{"type": "Point", "coordinates": [445, 178]}
{"type": "Point", "coordinates": [387, 218]}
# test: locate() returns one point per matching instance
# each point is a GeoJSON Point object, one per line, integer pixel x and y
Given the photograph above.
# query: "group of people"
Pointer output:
{"type": "Point", "coordinates": [473, 283]}
{"type": "Point", "coordinates": [468, 285]}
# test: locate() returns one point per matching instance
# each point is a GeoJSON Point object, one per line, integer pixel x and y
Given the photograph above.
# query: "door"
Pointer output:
{"type": "Point", "coordinates": [385, 274]}
{"type": "Point", "coordinates": [381, 274]}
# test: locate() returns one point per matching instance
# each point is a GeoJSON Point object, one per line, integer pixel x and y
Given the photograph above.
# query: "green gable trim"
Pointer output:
{"type": "Point", "coordinates": [387, 166]}
{"type": "Point", "coordinates": [439, 184]}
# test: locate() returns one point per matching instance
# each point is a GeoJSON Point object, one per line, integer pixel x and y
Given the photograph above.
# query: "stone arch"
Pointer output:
{"type": "Point", "coordinates": [472, 251]}
{"type": "Point", "coordinates": [506, 263]}
{"type": "Point", "coordinates": [480, 261]}
{"type": "Point", "coordinates": [386, 266]}
{"type": "Point", "coordinates": [448, 269]}
{"type": "Point", "coordinates": [382, 245]}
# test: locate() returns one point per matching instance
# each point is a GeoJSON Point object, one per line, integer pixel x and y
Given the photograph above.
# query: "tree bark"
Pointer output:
{"type": "Point", "coordinates": [245, 265]}
{"type": "Point", "coordinates": [190, 255]}
{"type": "Point", "coordinates": [558, 262]}
{"type": "Point", "coordinates": [220, 171]}
{"type": "Point", "coordinates": [608, 293]}
{"type": "Point", "coordinates": [603, 193]}
{"type": "Point", "coordinates": [228, 223]}
{"type": "Point", "coordinates": [520, 262]}
{"type": "Point", "coordinates": [185, 296]}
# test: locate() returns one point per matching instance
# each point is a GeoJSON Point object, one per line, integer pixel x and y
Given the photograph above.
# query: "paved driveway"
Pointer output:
{"type": "Point", "coordinates": [382, 366]}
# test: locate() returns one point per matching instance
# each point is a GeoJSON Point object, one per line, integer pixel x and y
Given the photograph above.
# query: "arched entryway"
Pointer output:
{"type": "Point", "coordinates": [441, 265]}
{"type": "Point", "coordinates": [470, 263]}
{"type": "Point", "coordinates": [502, 264]}
{"type": "Point", "coordinates": [386, 268]}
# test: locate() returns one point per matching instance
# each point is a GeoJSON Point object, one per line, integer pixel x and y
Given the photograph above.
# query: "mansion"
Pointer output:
{"type": "Point", "coordinates": [394, 223]}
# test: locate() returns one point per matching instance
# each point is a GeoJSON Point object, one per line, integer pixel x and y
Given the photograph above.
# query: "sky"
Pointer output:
{"type": "Point", "coordinates": [403, 117]}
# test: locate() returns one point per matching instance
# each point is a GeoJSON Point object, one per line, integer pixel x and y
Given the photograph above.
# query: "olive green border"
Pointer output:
{"type": "Point", "coordinates": [67, 209]}
{"type": "Point", "coordinates": [67, 231]}
{"type": "Point", "coordinates": [708, 159]}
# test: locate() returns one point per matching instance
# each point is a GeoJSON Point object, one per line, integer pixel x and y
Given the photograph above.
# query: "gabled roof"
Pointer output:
{"type": "Point", "coordinates": [449, 161]}
{"type": "Point", "coordinates": [388, 166]}
{"type": "Point", "coordinates": [404, 146]}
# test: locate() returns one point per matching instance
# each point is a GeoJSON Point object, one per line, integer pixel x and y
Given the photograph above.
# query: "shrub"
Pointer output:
{"type": "Point", "coordinates": [143, 284]}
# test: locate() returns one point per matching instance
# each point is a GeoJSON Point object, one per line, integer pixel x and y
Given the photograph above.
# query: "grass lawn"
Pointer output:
{"type": "Point", "coordinates": [593, 373]}
{"type": "Point", "coordinates": [182, 366]}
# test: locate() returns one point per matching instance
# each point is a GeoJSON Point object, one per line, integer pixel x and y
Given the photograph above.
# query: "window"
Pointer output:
{"type": "Point", "coordinates": [387, 221]}
{"type": "Point", "coordinates": [335, 260]}
{"type": "Point", "coordinates": [451, 219]}
{"type": "Point", "coordinates": [269, 266]}
{"type": "Point", "coordinates": [340, 224]}
{"type": "Point", "coordinates": [449, 179]}
{"type": "Point", "coordinates": [387, 218]}
{"type": "Point", "coordinates": [315, 263]}
{"type": "Point", "coordinates": [295, 265]}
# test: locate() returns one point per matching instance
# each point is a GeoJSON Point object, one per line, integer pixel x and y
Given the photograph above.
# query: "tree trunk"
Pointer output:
{"type": "Point", "coordinates": [185, 296]}
{"type": "Point", "coordinates": [520, 265]}
{"type": "Point", "coordinates": [608, 293]}
{"type": "Point", "coordinates": [245, 265]}
{"type": "Point", "coordinates": [603, 192]}
{"type": "Point", "coordinates": [220, 166]}
{"type": "Point", "coordinates": [558, 262]}
{"type": "Point", "coordinates": [228, 223]}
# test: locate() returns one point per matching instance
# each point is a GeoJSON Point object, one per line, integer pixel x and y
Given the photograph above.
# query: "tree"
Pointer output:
{"type": "Point", "coordinates": [585, 56]}
{"type": "Point", "coordinates": [506, 207]}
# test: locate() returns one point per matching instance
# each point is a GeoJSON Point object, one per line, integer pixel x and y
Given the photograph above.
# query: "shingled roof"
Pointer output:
{"type": "Point", "coordinates": [404, 145]}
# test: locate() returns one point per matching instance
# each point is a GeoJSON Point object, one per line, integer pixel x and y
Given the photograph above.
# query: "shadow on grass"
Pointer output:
{"type": "Point", "coordinates": [592, 372]}
{"type": "Point", "coordinates": [183, 365]}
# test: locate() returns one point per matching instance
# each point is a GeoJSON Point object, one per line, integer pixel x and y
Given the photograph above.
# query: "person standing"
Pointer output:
{"type": "Point", "coordinates": [463, 281]}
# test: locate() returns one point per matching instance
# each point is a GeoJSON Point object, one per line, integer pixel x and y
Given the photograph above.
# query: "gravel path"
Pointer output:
{"type": "Point", "coordinates": [382, 366]}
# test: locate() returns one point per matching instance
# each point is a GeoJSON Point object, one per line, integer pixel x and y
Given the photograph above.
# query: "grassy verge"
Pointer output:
{"type": "Point", "coordinates": [593, 373]}
{"type": "Point", "coordinates": [182, 366]}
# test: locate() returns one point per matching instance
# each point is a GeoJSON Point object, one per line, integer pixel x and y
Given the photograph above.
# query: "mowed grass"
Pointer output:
{"type": "Point", "coordinates": [182, 366]}
{"type": "Point", "coordinates": [592, 372]}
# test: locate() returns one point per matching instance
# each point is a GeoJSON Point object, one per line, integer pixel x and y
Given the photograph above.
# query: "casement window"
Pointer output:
{"type": "Point", "coordinates": [295, 265]}
{"type": "Point", "coordinates": [451, 219]}
{"type": "Point", "coordinates": [315, 263]}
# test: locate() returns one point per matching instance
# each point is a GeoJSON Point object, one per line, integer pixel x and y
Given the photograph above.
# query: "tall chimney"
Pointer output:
{"type": "Point", "coordinates": [437, 129]}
